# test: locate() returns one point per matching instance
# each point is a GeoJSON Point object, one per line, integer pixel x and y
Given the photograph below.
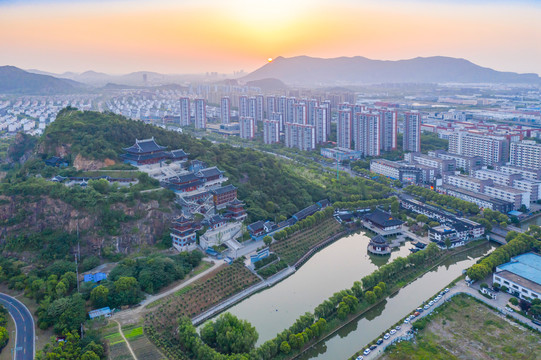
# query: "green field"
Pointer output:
{"type": "Point", "coordinates": [467, 329]}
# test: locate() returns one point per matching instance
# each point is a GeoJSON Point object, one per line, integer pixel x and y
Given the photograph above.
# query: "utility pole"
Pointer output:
{"type": "Point", "coordinates": [337, 175]}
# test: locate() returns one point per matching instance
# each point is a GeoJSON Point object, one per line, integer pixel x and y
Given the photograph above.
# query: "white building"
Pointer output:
{"type": "Point", "coordinates": [530, 174]}
{"type": "Point", "coordinates": [526, 154]}
{"type": "Point", "coordinates": [497, 176]}
{"type": "Point", "coordinates": [506, 193]}
{"type": "Point", "coordinates": [366, 133]}
{"type": "Point", "coordinates": [185, 111]}
{"type": "Point", "coordinates": [466, 182]}
{"type": "Point", "coordinates": [531, 186]}
{"type": "Point", "coordinates": [492, 149]}
{"type": "Point", "coordinates": [388, 129]}
{"type": "Point", "coordinates": [300, 136]}
{"type": "Point", "coordinates": [344, 128]}
{"type": "Point", "coordinates": [225, 110]}
{"type": "Point", "coordinates": [522, 276]}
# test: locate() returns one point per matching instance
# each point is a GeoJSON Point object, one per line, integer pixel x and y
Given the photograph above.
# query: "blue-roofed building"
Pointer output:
{"type": "Point", "coordinates": [522, 276]}
{"type": "Point", "coordinates": [97, 277]}
{"type": "Point", "coordinates": [106, 312]}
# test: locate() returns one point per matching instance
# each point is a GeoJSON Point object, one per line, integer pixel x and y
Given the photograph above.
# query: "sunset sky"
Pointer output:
{"type": "Point", "coordinates": [192, 36]}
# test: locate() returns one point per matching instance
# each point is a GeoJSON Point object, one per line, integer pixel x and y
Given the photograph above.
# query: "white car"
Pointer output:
{"type": "Point", "coordinates": [426, 307]}
{"type": "Point", "coordinates": [431, 303]}
{"type": "Point", "coordinates": [446, 290]}
{"type": "Point", "coordinates": [360, 357]}
{"type": "Point", "coordinates": [392, 332]}
{"type": "Point", "coordinates": [397, 327]}
{"type": "Point", "coordinates": [509, 309]}
{"type": "Point", "coordinates": [386, 336]}
{"type": "Point", "coordinates": [366, 352]}
{"type": "Point", "coordinates": [436, 300]}
{"type": "Point", "coordinates": [406, 321]}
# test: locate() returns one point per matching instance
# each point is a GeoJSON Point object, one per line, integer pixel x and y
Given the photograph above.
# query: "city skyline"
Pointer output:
{"type": "Point", "coordinates": [119, 37]}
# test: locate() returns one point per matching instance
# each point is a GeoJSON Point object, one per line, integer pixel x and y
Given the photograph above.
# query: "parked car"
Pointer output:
{"type": "Point", "coordinates": [392, 332]}
{"type": "Point", "coordinates": [406, 320]}
{"type": "Point", "coordinates": [360, 357]}
{"type": "Point", "coordinates": [431, 303]}
{"type": "Point", "coordinates": [536, 322]}
{"type": "Point", "coordinates": [386, 336]}
{"type": "Point", "coordinates": [427, 307]}
{"type": "Point", "coordinates": [446, 290]}
{"type": "Point", "coordinates": [366, 351]}
{"type": "Point", "coordinates": [397, 327]}
{"type": "Point", "coordinates": [417, 313]}
{"type": "Point", "coordinates": [509, 309]}
{"type": "Point", "coordinates": [373, 347]}
{"type": "Point", "coordinates": [380, 341]}
{"type": "Point", "coordinates": [420, 309]}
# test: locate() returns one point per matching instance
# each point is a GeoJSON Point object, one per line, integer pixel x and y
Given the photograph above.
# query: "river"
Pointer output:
{"type": "Point", "coordinates": [536, 220]}
{"type": "Point", "coordinates": [357, 334]}
{"type": "Point", "coordinates": [332, 269]}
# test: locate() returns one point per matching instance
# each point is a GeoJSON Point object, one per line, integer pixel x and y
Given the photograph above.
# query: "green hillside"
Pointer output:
{"type": "Point", "coordinates": [267, 185]}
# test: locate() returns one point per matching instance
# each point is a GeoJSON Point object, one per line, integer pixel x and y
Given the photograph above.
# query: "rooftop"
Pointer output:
{"type": "Point", "coordinates": [527, 266]}
{"type": "Point", "coordinates": [383, 218]}
{"type": "Point", "coordinates": [143, 146]}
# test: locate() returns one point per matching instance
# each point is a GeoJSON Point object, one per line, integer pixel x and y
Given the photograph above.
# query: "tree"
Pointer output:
{"type": "Point", "coordinates": [421, 218]}
{"type": "Point", "coordinates": [382, 286]}
{"type": "Point", "coordinates": [267, 240]}
{"type": "Point", "coordinates": [229, 335]}
{"type": "Point", "coordinates": [378, 291]}
{"type": "Point", "coordinates": [448, 243]}
{"type": "Point", "coordinates": [513, 301]}
{"type": "Point", "coordinates": [126, 290]}
{"type": "Point", "coordinates": [284, 347]}
{"type": "Point", "coordinates": [370, 296]}
{"type": "Point", "coordinates": [99, 296]}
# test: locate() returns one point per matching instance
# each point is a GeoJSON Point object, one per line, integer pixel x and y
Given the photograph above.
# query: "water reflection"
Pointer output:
{"type": "Point", "coordinates": [332, 269]}
{"type": "Point", "coordinates": [355, 335]}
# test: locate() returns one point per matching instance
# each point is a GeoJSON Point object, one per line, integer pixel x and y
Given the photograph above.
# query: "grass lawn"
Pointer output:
{"type": "Point", "coordinates": [467, 329]}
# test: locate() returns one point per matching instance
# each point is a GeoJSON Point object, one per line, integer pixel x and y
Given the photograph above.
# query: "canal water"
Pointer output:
{"type": "Point", "coordinates": [533, 221]}
{"type": "Point", "coordinates": [332, 269]}
{"type": "Point", "coordinates": [356, 335]}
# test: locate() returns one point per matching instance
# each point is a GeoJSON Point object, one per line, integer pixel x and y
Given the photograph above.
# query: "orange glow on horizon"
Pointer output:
{"type": "Point", "coordinates": [202, 36]}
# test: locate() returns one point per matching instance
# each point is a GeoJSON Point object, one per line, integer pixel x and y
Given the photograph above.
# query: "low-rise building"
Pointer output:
{"type": "Point", "coordinates": [515, 196]}
{"type": "Point", "coordinates": [497, 176]}
{"type": "Point", "coordinates": [466, 163]}
{"type": "Point", "coordinates": [442, 166]}
{"type": "Point", "coordinates": [340, 154]}
{"type": "Point", "coordinates": [467, 182]}
{"type": "Point", "coordinates": [481, 200]}
{"type": "Point", "coordinates": [183, 234]}
{"type": "Point", "coordinates": [409, 174]}
{"type": "Point", "coordinates": [383, 223]}
{"type": "Point", "coordinates": [530, 174]}
{"type": "Point", "coordinates": [522, 276]}
{"type": "Point", "coordinates": [531, 186]}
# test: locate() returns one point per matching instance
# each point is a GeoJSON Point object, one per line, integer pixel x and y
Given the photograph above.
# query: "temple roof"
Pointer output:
{"type": "Point", "coordinates": [383, 219]}
{"type": "Point", "coordinates": [378, 239]}
{"type": "Point", "coordinates": [223, 189]}
{"type": "Point", "coordinates": [144, 146]}
{"type": "Point", "coordinates": [178, 153]}
{"type": "Point", "coordinates": [208, 172]}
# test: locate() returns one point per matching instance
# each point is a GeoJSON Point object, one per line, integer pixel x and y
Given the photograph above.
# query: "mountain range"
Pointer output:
{"type": "Point", "coordinates": [276, 75]}
{"type": "Point", "coordinates": [305, 70]}
{"type": "Point", "coordinates": [16, 81]}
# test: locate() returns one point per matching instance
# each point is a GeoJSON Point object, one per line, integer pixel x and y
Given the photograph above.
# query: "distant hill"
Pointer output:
{"type": "Point", "coordinates": [305, 70]}
{"type": "Point", "coordinates": [17, 81]}
{"type": "Point", "coordinates": [268, 84]}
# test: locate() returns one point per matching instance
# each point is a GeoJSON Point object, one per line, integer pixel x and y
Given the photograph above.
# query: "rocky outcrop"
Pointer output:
{"type": "Point", "coordinates": [147, 223]}
{"type": "Point", "coordinates": [80, 163]}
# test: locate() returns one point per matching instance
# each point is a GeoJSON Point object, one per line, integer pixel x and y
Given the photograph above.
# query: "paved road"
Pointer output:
{"type": "Point", "coordinates": [24, 323]}
{"type": "Point", "coordinates": [460, 288]}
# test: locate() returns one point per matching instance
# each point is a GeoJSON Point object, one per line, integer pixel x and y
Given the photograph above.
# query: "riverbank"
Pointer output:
{"type": "Point", "coordinates": [334, 325]}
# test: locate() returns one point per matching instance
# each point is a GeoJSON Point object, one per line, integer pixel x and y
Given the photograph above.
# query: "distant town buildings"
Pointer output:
{"type": "Point", "coordinates": [525, 154]}
{"type": "Point", "coordinates": [247, 127]}
{"type": "Point", "coordinates": [271, 131]}
{"type": "Point", "coordinates": [185, 113]}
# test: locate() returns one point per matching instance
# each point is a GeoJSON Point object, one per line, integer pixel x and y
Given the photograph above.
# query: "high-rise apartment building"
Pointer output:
{"type": "Point", "coordinates": [200, 114]}
{"type": "Point", "coordinates": [289, 114]}
{"type": "Point", "coordinates": [327, 104]}
{"type": "Point", "coordinates": [412, 132]}
{"type": "Point", "coordinates": [493, 149]}
{"type": "Point", "coordinates": [225, 110]}
{"type": "Point", "coordinates": [388, 129]}
{"type": "Point", "coordinates": [300, 136]}
{"type": "Point", "coordinates": [525, 154]}
{"type": "Point", "coordinates": [366, 133]}
{"type": "Point", "coordinates": [243, 106]}
{"type": "Point", "coordinates": [185, 111]}
{"type": "Point", "coordinates": [252, 107]}
{"type": "Point", "coordinates": [344, 128]}
{"type": "Point", "coordinates": [247, 127]}
{"type": "Point", "coordinates": [312, 105]}
{"type": "Point", "coordinates": [300, 113]}
{"type": "Point", "coordinates": [259, 108]}
{"type": "Point", "coordinates": [281, 107]}
{"type": "Point", "coordinates": [271, 131]}
{"type": "Point", "coordinates": [271, 106]}
{"type": "Point", "coordinates": [320, 123]}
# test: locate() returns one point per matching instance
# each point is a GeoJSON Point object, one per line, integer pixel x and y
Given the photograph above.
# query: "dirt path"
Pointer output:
{"type": "Point", "coordinates": [133, 315]}
{"type": "Point", "coordinates": [126, 340]}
